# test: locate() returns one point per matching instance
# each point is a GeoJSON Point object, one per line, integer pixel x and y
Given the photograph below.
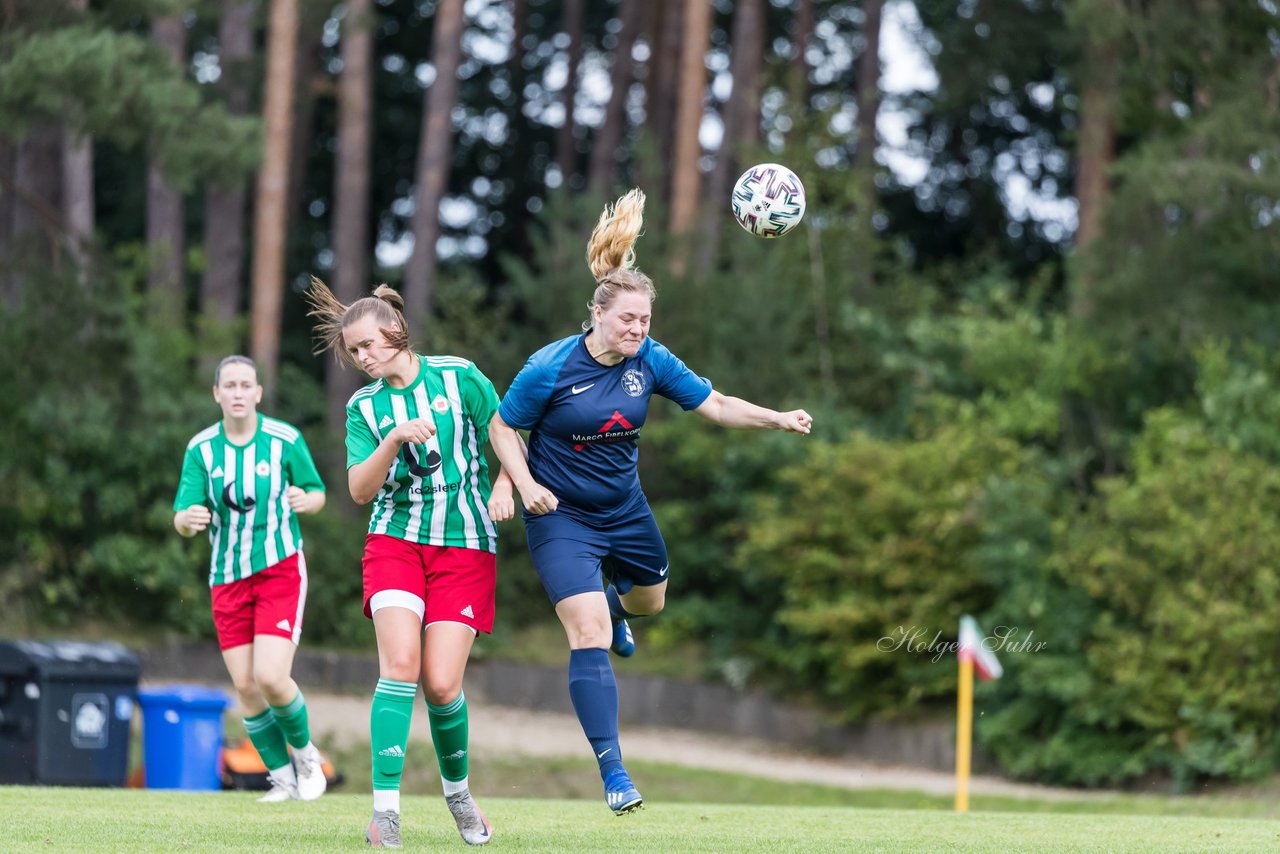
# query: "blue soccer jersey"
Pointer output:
{"type": "Point", "coordinates": [584, 419]}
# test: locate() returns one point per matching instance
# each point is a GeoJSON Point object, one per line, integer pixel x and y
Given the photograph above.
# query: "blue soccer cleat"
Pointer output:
{"type": "Point", "coordinates": [620, 793]}
{"type": "Point", "coordinates": [624, 645]}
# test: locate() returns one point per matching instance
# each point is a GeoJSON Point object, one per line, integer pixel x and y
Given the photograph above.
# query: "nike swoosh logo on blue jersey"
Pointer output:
{"type": "Point", "coordinates": [577, 390]}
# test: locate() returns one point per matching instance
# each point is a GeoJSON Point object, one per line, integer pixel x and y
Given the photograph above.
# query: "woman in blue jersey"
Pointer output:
{"type": "Point", "coordinates": [584, 400]}
{"type": "Point", "coordinates": [246, 479]}
{"type": "Point", "coordinates": [415, 451]}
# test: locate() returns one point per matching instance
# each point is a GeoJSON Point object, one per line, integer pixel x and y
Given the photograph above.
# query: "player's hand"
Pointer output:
{"type": "Point", "coordinates": [300, 501]}
{"type": "Point", "coordinates": [417, 431]}
{"type": "Point", "coordinates": [795, 421]}
{"type": "Point", "coordinates": [502, 506]}
{"type": "Point", "coordinates": [195, 518]}
{"type": "Point", "coordinates": [538, 500]}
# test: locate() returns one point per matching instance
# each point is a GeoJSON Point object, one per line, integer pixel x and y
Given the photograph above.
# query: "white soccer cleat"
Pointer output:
{"type": "Point", "coordinates": [384, 830]}
{"type": "Point", "coordinates": [280, 792]}
{"type": "Point", "coordinates": [472, 825]}
{"type": "Point", "coordinates": [309, 766]}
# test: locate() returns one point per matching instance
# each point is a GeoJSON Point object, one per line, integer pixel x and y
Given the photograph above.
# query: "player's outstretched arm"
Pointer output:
{"type": "Point", "coordinates": [744, 415]}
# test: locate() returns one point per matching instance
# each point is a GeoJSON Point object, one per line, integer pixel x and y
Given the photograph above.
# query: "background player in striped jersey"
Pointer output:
{"type": "Point", "coordinates": [415, 449]}
{"type": "Point", "coordinates": [245, 479]}
{"type": "Point", "coordinates": [584, 400]}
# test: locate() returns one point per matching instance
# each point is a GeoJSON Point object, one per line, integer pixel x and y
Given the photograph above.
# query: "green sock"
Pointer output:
{"type": "Point", "coordinates": [449, 734]}
{"type": "Point", "coordinates": [389, 730]}
{"type": "Point", "coordinates": [267, 737]}
{"type": "Point", "coordinates": [292, 718]}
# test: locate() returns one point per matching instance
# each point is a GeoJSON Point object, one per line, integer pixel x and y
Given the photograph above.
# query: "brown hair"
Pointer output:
{"type": "Point", "coordinates": [611, 253]}
{"type": "Point", "coordinates": [232, 360]}
{"type": "Point", "coordinates": [386, 305]}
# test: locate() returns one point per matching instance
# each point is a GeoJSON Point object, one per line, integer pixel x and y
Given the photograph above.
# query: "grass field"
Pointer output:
{"type": "Point", "coordinates": [572, 778]}
{"type": "Point", "coordinates": [132, 820]}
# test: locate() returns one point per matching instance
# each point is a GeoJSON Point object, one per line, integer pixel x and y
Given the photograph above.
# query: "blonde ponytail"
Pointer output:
{"type": "Point", "coordinates": [611, 253]}
{"type": "Point", "coordinates": [612, 243]}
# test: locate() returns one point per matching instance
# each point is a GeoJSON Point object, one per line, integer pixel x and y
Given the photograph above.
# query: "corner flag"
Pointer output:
{"type": "Point", "coordinates": [973, 655]}
{"type": "Point", "coordinates": [972, 648]}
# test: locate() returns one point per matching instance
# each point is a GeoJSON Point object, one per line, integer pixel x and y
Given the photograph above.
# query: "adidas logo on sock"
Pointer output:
{"type": "Point", "coordinates": [467, 612]}
{"type": "Point", "coordinates": [394, 751]}
{"type": "Point", "coordinates": [458, 754]}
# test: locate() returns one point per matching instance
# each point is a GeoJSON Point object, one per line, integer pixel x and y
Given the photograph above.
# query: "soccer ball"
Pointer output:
{"type": "Point", "coordinates": [768, 200]}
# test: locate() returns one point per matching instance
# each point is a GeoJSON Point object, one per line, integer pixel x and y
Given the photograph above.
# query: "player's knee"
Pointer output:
{"type": "Point", "coordinates": [400, 665]}
{"type": "Point", "coordinates": [590, 634]}
{"type": "Point", "coordinates": [440, 691]}
{"type": "Point", "coordinates": [275, 686]}
{"type": "Point", "coordinates": [648, 609]}
{"type": "Point", "coordinates": [247, 691]}
{"type": "Point", "coordinates": [644, 605]}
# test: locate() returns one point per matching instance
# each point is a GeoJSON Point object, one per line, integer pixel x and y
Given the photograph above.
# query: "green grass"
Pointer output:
{"type": "Point", "coordinates": [577, 778]}
{"type": "Point", "coordinates": [108, 820]}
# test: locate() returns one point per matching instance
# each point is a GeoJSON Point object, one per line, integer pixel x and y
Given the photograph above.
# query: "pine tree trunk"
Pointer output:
{"type": "Point", "coordinates": [566, 145]}
{"type": "Point", "coordinates": [77, 193]}
{"type": "Point", "coordinates": [515, 171]}
{"type": "Point", "coordinates": [166, 210]}
{"type": "Point", "coordinates": [270, 208]}
{"type": "Point", "coordinates": [351, 192]}
{"type": "Point", "coordinates": [604, 154]}
{"type": "Point", "coordinates": [8, 279]}
{"type": "Point", "coordinates": [665, 39]}
{"type": "Point", "coordinates": [310, 79]}
{"type": "Point", "coordinates": [221, 291]}
{"type": "Point", "coordinates": [33, 187]}
{"type": "Point", "coordinates": [692, 86]}
{"type": "Point", "coordinates": [1097, 142]}
{"type": "Point", "coordinates": [864, 155]}
{"type": "Point", "coordinates": [435, 157]}
{"type": "Point", "coordinates": [741, 118]}
{"type": "Point", "coordinates": [77, 184]}
{"type": "Point", "coordinates": [799, 74]}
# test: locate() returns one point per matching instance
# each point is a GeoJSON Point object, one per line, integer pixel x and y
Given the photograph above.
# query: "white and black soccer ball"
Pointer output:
{"type": "Point", "coordinates": [768, 200]}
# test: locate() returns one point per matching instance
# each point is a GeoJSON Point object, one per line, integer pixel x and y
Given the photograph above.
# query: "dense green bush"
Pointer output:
{"type": "Point", "coordinates": [99, 407]}
{"type": "Point", "coordinates": [1175, 570]}
{"type": "Point", "coordinates": [876, 546]}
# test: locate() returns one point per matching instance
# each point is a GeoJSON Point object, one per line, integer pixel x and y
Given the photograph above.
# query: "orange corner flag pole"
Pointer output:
{"type": "Point", "coordinates": [964, 733]}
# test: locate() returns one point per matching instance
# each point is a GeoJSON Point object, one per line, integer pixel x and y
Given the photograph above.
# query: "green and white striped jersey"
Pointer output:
{"type": "Point", "coordinates": [438, 493]}
{"type": "Point", "coordinates": [244, 487]}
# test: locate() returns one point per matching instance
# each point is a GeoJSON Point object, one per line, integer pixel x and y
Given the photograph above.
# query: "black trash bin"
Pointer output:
{"type": "Point", "coordinates": [65, 709]}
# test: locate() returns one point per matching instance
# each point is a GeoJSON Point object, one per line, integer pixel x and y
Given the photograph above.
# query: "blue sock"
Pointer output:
{"type": "Point", "coordinates": [616, 609]}
{"type": "Point", "coordinates": [594, 693]}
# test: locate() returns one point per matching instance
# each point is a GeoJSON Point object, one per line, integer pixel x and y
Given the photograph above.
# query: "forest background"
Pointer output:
{"type": "Point", "coordinates": [1033, 309]}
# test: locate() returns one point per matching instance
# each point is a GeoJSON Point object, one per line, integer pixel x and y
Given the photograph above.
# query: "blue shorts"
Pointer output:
{"type": "Point", "coordinates": [570, 555]}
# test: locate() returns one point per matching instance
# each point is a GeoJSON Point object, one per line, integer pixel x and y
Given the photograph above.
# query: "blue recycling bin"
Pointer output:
{"type": "Point", "coordinates": [182, 736]}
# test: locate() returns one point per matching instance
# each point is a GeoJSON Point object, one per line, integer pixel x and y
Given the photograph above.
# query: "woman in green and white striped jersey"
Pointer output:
{"type": "Point", "coordinates": [245, 479]}
{"type": "Point", "coordinates": [415, 449]}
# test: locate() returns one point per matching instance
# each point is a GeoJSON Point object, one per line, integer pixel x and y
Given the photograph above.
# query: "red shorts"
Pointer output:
{"type": "Point", "coordinates": [450, 584]}
{"type": "Point", "coordinates": [269, 602]}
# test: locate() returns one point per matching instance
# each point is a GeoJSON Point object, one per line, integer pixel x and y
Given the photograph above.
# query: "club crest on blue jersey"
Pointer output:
{"type": "Point", "coordinates": [633, 382]}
